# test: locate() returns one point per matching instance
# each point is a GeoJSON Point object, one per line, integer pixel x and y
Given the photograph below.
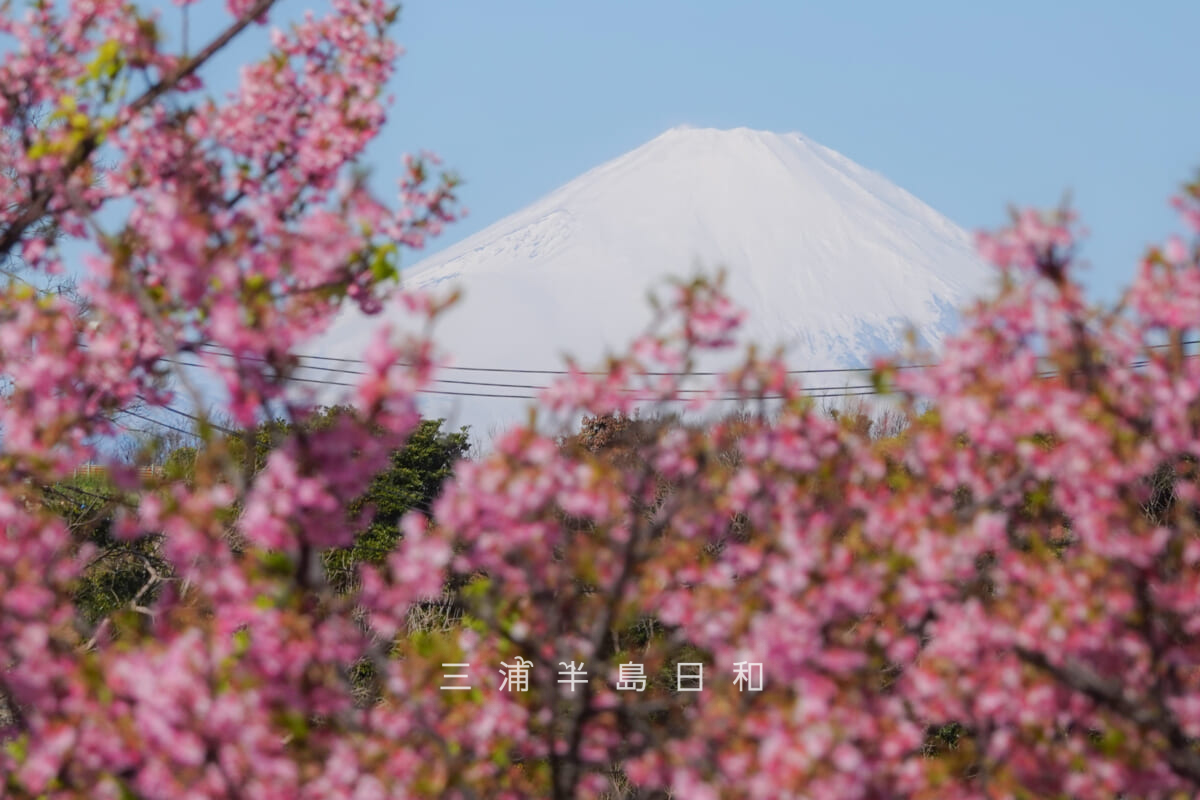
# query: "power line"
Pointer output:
{"type": "Point", "coordinates": [543, 386]}
{"type": "Point", "coordinates": [502, 385]}
{"type": "Point", "coordinates": [848, 391]}
{"type": "Point", "coordinates": [171, 409]}
{"type": "Point", "coordinates": [193, 417]}
{"type": "Point", "coordinates": [827, 391]}
{"type": "Point", "coordinates": [159, 421]}
{"type": "Point", "coordinates": [177, 429]}
{"type": "Point", "coordinates": [852, 390]}
{"type": "Point", "coordinates": [534, 397]}
{"type": "Point", "coordinates": [499, 385]}
{"type": "Point", "coordinates": [523, 371]}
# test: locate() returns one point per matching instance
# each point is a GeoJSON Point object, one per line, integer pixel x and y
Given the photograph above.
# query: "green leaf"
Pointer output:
{"type": "Point", "coordinates": [384, 262]}
{"type": "Point", "coordinates": [17, 748]}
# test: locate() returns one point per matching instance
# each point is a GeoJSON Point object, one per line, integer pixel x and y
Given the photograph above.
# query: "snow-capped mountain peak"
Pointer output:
{"type": "Point", "coordinates": [830, 259]}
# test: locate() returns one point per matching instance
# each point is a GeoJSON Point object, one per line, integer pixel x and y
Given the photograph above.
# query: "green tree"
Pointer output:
{"type": "Point", "coordinates": [411, 482]}
{"type": "Point", "coordinates": [127, 575]}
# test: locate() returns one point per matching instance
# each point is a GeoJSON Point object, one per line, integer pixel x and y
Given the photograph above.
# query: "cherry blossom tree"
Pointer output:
{"type": "Point", "coordinates": [1001, 601]}
{"type": "Point", "coordinates": [228, 229]}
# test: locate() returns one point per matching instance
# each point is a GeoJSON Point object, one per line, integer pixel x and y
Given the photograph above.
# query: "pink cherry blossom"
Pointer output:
{"type": "Point", "coordinates": [1000, 600]}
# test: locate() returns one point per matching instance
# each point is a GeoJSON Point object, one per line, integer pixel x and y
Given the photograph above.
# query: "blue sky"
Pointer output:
{"type": "Point", "coordinates": [968, 105]}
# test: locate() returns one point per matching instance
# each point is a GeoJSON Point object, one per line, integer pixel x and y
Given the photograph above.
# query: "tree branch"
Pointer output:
{"type": "Point", "coordinates": [39, 202]}
{"type": "Point", "coordinates": [1183, 759]}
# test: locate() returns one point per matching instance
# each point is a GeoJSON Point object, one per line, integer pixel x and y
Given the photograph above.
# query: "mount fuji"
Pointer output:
{"type": "Point", "coordinates": [831, 260]}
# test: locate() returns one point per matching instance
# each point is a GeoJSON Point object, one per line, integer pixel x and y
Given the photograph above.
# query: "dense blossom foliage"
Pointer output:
{"type": "Point", "coordinates": [1002, 601]}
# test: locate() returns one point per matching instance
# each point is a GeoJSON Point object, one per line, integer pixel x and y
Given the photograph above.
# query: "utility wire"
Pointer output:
{"type": "Point", "coordinates": [193, 417]}
{"type": "Point", "coordinates": [521, 371]}
{"type": "Point", "coordinates": [493, 385]}
{"type": "Point", "coordinates": [847, 392]}
{"type": "Point", "coordinates": [853, 390]}
{"type": "Point", "coordinates": [501, 385]}
{"type": "Point", "coordinates": [159, 421]}
{"type": "Point", "coordinates": [534, 397]}
{"type": "Point", "coordinates": [517, 371]}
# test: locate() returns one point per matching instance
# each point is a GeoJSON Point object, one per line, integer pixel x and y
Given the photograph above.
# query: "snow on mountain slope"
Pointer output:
{"type": "Point", "coordinates": [830, 259]}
